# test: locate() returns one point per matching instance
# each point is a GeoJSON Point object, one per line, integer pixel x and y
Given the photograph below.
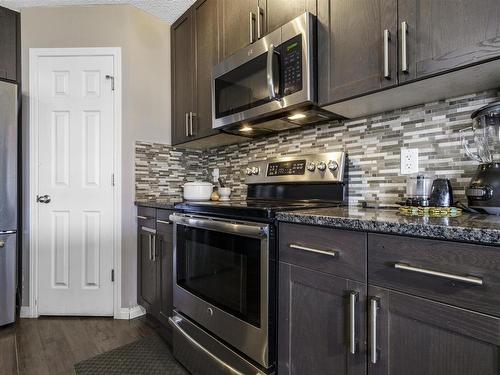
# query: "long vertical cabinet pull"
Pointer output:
{"type": "Point", "coordinates": [150, 247]}
{"type": "Point", "coordinates": [252, 26]}
{"type": "Point", "coordinates": [353, 299]}
{"type": "Point", "coordinates": [260, 15]}
{"type": "Point", "coordinates": [191, 115]}
{"type": "Point", "coordinates": [374, 305]}
{"type": "Point", "coordinates": [404, 51]}
{"type": "Point", "coordinates": [153, 240]}
{"type": "Point", "coordinates": [387, 68]}
{"type": "Point", "coordinates": [187, 124]}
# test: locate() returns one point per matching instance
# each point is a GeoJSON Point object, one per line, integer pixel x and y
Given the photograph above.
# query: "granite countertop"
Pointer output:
{"type": "Point", "coordinates": [484, 229]}
{"type": "Point", "coordinates": [167, 204]}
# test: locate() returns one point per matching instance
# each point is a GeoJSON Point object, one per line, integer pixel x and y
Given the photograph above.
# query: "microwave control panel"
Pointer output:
{"type": "Point", "coordinates": [291, 52]}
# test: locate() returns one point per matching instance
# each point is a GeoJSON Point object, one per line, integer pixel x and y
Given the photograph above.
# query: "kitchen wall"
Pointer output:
{"type": "Point", "coordinates": [373, 145]}
{"type": "Point", "coordinates": [145, 43]}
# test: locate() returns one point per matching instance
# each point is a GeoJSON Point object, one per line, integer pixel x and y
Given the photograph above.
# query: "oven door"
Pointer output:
{"type": "Point", "coordinates": [268, 77]}
{"type": "Point", "coordinates": [221, 279]}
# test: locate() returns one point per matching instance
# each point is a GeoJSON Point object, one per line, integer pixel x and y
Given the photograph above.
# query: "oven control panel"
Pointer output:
{"type": "Point", "coordinates": [327, 167]}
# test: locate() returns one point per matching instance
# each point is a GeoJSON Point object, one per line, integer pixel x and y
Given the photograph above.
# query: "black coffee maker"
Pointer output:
{"type": "Point", "coordinates": [483, 192]}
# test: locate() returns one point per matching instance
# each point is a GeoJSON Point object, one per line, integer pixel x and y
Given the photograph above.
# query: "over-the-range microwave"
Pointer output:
{"type": "Point", "coordinates": [271, 85]}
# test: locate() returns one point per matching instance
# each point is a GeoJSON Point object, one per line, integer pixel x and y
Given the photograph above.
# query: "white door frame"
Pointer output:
{"type": "Point", "coordinates": [34, 55]}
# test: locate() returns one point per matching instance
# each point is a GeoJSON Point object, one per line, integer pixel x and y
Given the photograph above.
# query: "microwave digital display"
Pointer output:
{"type": "Point", "coordinates": [287, 168]}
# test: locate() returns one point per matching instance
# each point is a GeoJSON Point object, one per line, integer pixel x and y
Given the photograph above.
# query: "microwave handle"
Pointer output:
{"type": "Point", "coordinates": [269, 69]}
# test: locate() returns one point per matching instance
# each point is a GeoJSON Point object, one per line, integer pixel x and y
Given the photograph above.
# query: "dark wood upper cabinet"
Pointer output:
{"type": "Point", "coordinates": [182, 77]}
{"type": "Point", "coordinates": [239, 23]}
{"type": "Point", "coordinates": [207, 54]}
{"type": "Point", "coordinates": [9, 45]}
{"type": "Point", "coordinates": [313, 329]}
{"type": "Point", "coordinates": [357, 50]}
{"type": "Point", "coordinates": [279, 12]}
{"type": "Point", "coordinates": [447, 34]}
{"type": "Point", "coordinates": [416, 336]}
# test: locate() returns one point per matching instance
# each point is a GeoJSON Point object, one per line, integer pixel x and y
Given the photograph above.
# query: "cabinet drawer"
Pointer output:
{"type": "Point", "coordinates": [146, 217]}
{"type": "Point", "coordinates": [163, 223]}
{"type": "Point", "coordinates": [459, 274]}
{"type": "Point", "coordinates": [334, 251]}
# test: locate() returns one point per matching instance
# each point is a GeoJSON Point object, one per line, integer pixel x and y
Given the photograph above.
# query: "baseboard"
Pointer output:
{"type": "Point", "coordinates": [26, 312]}
{"type": "Point", "coordinates": [128, 313]}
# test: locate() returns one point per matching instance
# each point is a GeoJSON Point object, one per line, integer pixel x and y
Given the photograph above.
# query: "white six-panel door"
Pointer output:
{"type": "Point", "coordinates": [75, 170]}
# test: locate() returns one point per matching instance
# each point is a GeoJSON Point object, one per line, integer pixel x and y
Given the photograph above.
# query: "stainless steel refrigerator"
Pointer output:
{"type": "Point", "coordinates": [8, 201]}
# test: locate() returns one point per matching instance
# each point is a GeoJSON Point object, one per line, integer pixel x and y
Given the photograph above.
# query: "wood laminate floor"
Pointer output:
{"type": "Point", "coordinates": [52, 345]}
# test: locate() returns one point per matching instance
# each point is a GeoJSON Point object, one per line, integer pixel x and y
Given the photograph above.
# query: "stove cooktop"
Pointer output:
{"type": "Point", "coordinates": [248, 209]}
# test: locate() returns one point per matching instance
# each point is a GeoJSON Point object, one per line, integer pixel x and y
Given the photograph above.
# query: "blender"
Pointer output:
{"type": "Point", "coordinates": [483, 192]}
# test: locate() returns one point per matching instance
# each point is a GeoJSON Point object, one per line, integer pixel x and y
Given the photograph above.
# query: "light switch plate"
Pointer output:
{"type": "Point", "coordinates": [409, 160]}
{"type": "Point", "coordinates": [215, 174]}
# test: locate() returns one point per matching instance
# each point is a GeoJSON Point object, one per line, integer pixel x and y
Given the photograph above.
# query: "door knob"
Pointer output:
{"type": "Point", "coordinates": [43, 198]}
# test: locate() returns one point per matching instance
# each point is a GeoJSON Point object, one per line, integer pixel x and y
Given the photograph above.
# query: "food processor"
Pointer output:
{"type": "Point", "coordinates": [483, 192]}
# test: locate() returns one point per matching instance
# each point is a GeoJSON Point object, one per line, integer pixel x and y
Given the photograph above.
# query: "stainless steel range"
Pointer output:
{"type": "Point", "coordinates": [225, 259]}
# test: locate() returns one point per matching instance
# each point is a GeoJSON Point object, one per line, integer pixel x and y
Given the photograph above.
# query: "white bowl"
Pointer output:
{"type": "Point", "coordinates": [198, 191]}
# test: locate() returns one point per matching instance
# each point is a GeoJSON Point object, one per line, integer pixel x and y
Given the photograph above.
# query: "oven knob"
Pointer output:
{"type": "Point", "coordinates": [255, 170]}
{"type": "Point", "coordinates": [210, 311]}
{"type": "Point", "coordinates": [321, 166]}
{"type": "Point", "coordinates": [311, 167]}
{"type": "Point", "coordinates": [332, 165]}
{"type": "Point", "coordinates": [248, 171]}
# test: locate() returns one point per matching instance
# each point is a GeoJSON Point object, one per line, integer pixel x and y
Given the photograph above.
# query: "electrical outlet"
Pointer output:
{"type": "Point", "coordinates": [409, 160]}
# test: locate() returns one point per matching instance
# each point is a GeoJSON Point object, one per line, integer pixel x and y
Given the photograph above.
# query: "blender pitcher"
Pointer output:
{"type": "Point", "coordinates": [483, 192]}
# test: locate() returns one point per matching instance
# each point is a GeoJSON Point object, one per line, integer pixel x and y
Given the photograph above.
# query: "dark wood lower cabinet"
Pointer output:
{"type": "Point", "coordinates": [314, 321]}
{"type": "Point", "coordinates": [165, 248]}
{"type": "Point", "coordinates": [416, 336]}
{"type": "Point", "coordinates": [155, 267]}
{"type": "Point", "coordinates": [147, 269]}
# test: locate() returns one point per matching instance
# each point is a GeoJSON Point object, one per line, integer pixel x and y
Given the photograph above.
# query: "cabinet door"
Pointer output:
{"type": "Point", "coordinates": [448, 34]}
{"type": "Point", "coordinates": [416, 336]}
{"type": "Point", "coordinates": [280, 12]}
{"type": "Point", "coordinates": [165, 248]}
{"type": "Point", "coordinates": [8, 44]}
{"type": "Point", "coordinates": [357, 51]}
{"type": "Point", "coordinates": [147, 270]}
{"type": "Point", "coordinates": [206, 26]}
{"type": "Point", "coordinates": [182, 77]}
{"type": "Point", "coordinates": [314, 317]}
{"type": "Point", "coordinates": [239, 24]}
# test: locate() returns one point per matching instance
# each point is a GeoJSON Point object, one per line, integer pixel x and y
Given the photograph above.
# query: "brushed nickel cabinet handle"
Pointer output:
{"type": "Point", "coordinates": [187, 124]}
{"type": "Point", "coordinates": [332, 253]}
{"type": "Point", "coordinates": [153, 240]}
{"type": "Point", "coordinates": [404, 51]}
{"type": "Point", "coordinates": [191, 115]}
{"type": "Point", "coordinates": [353, 298]}
{"type": "Point", "coordinates": [387, 68]}
{"type": "Point", "coordinates": [150, 248]}
{"type": "Point", "coordinates": [373, 330]}
{"type": "Point", "coordinates": [163, 222]}
{"type": "Point", "coordinates": [252, 23]}
{"type": "Point", "coordinates": [465, 279]}
{"type": "Point", "coordinates": [149, 230]}
{"type": "Point", "coordinates": [260, 14]}
{"type": "Point", "coordinates": [143, 217]}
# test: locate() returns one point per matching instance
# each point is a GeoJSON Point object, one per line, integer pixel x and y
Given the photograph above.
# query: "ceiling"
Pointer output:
{"type": "Point", "coordinates": [167, 10]}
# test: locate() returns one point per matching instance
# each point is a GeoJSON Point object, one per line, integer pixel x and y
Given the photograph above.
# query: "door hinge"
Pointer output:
{"type": "Point", "coordinates": [112, 81]}
{"type": "Point", "coordinates": [112, 275]}
{"type": "Point", "coordinates": [112, 179]}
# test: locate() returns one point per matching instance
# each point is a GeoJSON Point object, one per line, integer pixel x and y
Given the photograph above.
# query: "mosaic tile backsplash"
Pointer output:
{"type": "Point", "coordinates": [373, 146]}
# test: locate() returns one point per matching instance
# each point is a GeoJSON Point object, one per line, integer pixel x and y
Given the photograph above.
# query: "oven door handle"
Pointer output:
{"type": "Point", "coordinates": [241, 229]}
{"type": "Point", "coordinates": [270, 72]}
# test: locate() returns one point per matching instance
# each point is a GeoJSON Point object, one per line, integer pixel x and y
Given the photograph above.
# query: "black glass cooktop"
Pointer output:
{"type": "Point", "coordinates": [248, 209]}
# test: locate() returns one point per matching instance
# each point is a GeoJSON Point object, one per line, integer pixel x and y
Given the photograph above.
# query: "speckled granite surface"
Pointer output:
{"type": "Point", "coordinates": [159, 203]}
{"type": "Point", "coordinates": [475, 228]}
